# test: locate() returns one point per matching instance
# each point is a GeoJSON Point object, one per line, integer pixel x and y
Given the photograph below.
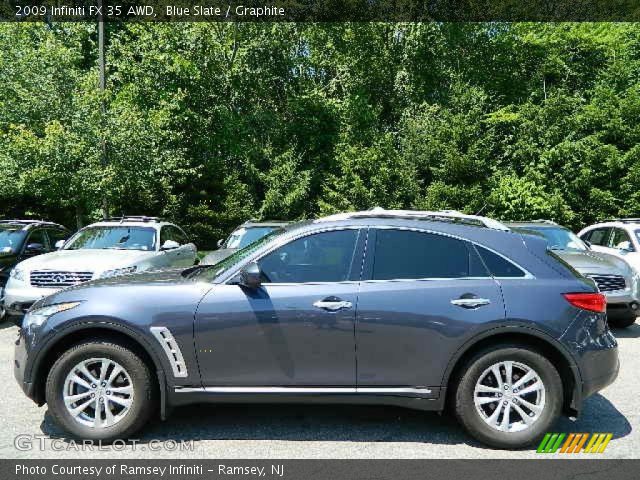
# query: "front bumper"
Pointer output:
{"type": "Point", "coordinates": [622, 303]}
{"type": "Point", "coordinates": [21, 354]}
{"type": "Point", "coordinates": [19, 296]}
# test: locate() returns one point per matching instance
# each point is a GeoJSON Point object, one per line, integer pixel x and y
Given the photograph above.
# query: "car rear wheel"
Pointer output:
{"type": "Point", "coordinates": [100, 390]}
{"type": "Point", "coordinates": [509, 396]}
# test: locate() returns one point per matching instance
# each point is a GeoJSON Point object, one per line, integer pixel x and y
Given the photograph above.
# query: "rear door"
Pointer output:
{"type": "Point", "coordinates": [423, 292]}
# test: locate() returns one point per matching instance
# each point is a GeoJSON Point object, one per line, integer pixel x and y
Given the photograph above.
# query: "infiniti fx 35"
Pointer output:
{"type": "Point", "coordinates": [426, 310]}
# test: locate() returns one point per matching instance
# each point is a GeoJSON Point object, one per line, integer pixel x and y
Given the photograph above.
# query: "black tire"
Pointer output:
{"type": "Point", "coordinates": [622, 322]}
{"type": "Point", "coordinates": [468, 415]}
{"type": "Point", "coordinates": [144, 391]}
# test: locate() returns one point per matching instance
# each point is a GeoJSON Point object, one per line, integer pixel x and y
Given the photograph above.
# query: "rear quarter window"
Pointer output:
{"type": "Point", "coordinates": [498, 265]}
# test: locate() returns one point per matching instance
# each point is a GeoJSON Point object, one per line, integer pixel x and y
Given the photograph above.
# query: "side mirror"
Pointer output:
{"type": "Point", "coordinates": [624, 246]}
{"type": "Point", "coordinates": [59, 244]}
{"type": "Point", "coordinates": [170, 245]}
{"type": "Point", "coordinates": [34, 248]}
{"type": "Point", "coordinates": [250, 276]}
{"type": "Point", "coordinates": [220, 242]}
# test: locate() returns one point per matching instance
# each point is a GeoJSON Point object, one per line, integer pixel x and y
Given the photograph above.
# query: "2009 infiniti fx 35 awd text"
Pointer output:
{"type": "Point", "coordinates": [417, 309]}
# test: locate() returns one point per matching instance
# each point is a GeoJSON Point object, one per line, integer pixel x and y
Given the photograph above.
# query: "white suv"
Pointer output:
{"type": "Point", "coordinates": [101, 250]}
{"type": "Point", "coordinates": [620, 237]}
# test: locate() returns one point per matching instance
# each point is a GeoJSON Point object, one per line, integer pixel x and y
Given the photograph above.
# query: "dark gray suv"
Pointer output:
{"type": "Point", "coordinates": [425, 310]}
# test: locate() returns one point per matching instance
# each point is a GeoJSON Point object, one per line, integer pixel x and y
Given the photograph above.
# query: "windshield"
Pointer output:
{"type": "Point", "coordinates": [10, 238]}
{"type": "Point", "coordinates": [212, 271]}
{"type": "Point", "coordinates": [560, 238]}
{"type": "Point", "coordinates": [115, 238]}
{"type": "Point", "coordinates": [244, 236]}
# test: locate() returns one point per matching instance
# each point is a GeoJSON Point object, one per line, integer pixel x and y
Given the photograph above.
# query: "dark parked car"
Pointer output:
{"type": "Point", "coordinates": [417, 309]}
{"type": "Point", "coordinates": [22, 239]}
{"type": "Point", "coordinates": [242, 236]}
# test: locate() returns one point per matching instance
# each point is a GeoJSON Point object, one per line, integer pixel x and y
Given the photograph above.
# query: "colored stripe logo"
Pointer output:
{"type": "Point", "coordinates": [574, 443]}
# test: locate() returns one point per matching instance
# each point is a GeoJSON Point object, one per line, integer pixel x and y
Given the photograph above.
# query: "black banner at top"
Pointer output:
{"type": "Point", "coordinates": [318, 10]}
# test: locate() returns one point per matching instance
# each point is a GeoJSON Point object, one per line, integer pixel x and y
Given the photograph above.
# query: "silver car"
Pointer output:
{"type": "Point", "coordinates": [614, 277]}
{"type": "Point", "coordinates": [242, 236]}
{"type": "Point", "coordinates": [104, 249]}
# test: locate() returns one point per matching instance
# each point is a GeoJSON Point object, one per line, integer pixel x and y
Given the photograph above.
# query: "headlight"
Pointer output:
{"type": "Point", "coordinates": [17, 273]}
{"type": "Point", "coordinates": [38, 316]}
{"type": "Point", "coordinates": [118, 271]}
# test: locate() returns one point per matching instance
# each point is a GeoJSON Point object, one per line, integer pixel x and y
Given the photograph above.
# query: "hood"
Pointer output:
{"type": "Point", "coordinates": [217, 256]}
{"type": "Point", "coordinates": [594, 262]}
{"type": "Point", "coordinates": [86, 260]}
{"type": "Point", "coordinates": [159, 291]}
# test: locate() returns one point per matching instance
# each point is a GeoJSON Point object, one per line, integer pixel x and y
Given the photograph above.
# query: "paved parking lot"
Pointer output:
{"type": "Point", "coordinates": [300, 431]}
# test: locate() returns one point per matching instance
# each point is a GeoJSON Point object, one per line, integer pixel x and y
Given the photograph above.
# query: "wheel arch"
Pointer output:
{"type": "Point", "coordinates": [87, 330]}
{"type": "Point", "coordinates": [543, 343]}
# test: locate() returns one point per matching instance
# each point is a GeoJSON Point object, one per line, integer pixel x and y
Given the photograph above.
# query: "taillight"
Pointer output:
{"type": "Point", "coordinates": [594, 302]}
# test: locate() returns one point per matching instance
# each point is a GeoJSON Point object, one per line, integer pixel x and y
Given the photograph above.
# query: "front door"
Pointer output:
{"type": "Point", "coordinates": [421, 292]}
{"type": "Point", "coordinates": [297, 328]}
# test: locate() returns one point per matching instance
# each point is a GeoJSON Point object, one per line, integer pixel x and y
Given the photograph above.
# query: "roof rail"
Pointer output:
{"type": "Point", "coordinates": [28, 222]}
{"type": "Point", "coordinates": [541, 220]}
{"type": "Point", "coordinates": [133, 218]}
{"type": "Point", "coordinates": [623, 220]}
{"type": "Point", "coordinates": [443, 215]}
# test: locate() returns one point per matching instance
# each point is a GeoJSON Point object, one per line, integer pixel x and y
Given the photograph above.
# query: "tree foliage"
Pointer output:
{"type": "Point", "coordinates": [210, 124]}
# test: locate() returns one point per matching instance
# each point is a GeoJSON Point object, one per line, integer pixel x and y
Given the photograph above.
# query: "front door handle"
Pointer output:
{"type": "Point", "coordinates": [470, 302]}
{"type": "Point", "coordinates": [332, 304]}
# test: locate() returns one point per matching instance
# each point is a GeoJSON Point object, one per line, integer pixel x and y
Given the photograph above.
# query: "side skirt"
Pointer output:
{"type": "Point", "coordinates": [421, 398]}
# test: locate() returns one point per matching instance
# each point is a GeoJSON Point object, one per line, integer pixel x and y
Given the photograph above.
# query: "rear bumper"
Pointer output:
{"type": "Point", "coordinates": [595, 352]}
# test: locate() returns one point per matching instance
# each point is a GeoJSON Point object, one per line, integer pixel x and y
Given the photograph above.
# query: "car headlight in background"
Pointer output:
{"type": "Point", "coordinates": [18, 274]}
{"type": "Point", "coordinates": [37, 317]}
{"type": "Point", "coordinates": [118, 271]}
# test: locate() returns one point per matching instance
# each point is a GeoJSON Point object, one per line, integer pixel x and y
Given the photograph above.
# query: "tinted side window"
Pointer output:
{"type": "Point", "coordinates": [172, 233]}
{"type": "Point", "coordinates": [599, 236]}
{"type": "Point", "coordinates": [404, 254]}
{"type": "Point", "coordinates": [321, 257]}
{"type": "Point", "coordinates": [619, 236]}
{"type": "Point", "coordinates": [499, 266]}
{"type": "Point", "coordinates": [57, 235]}
{"type": "Point", "coordinates": [38, 236]}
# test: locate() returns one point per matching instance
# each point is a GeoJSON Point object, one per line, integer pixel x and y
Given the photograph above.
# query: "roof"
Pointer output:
{"type": "Point", "coordinates": [266, 223]}
{"type": "Point", "coordinates": [26, 223]}
{"type": "Point", "coordinates": [448, 216]}
{"type": "Point", "coordinates": [617, 221]}
{"type": "Point", "coordinates": [535, 224]}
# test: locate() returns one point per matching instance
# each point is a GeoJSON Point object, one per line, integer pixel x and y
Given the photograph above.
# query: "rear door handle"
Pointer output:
{"type": "Point", "coordinates": [470, 302]}
{"type": "Point", "coordinates": [332, 304]}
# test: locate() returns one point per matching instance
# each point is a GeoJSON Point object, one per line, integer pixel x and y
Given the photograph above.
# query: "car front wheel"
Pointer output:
{"type": "Point", "coordinates": [509, 396]}
{"type": "Point", "coordinates": [100, 390]}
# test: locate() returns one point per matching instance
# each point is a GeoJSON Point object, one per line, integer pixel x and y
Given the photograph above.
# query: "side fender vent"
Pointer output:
{"type": "Point", "coordinates": [172, 350]}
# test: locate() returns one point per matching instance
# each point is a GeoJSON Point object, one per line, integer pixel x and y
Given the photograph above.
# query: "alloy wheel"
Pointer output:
{"type": "Point", "coordinates": [509, 396]}
{"type": "Point", "coordinates": [98, 392]}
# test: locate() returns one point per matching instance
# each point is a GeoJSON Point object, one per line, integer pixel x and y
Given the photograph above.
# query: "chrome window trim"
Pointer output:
{"type": "Point", "coordinates": [409, 391]}
{"type": "Point", "coordinates": [527, 275]}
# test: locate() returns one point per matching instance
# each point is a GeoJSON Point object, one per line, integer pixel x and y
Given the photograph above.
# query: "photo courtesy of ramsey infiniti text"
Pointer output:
{"type": "Point", "coordinates": [426, 310]}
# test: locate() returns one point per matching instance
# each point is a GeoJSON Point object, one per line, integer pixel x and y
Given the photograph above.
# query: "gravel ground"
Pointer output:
{"type": "Point", "coordinates": [303, 431]}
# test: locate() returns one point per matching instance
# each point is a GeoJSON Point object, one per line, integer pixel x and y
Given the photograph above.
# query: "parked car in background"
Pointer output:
{"type": "Point", "coordinates": [417, 309]}
{"type": "Point", "coordinates": [619, 237]}
{"type": "Point", "coordinates": [614, 277]}
{"type": "Point", "coordinates": [22, 239]}
{"type": "Point", "coordinates": [242, 236]}
{"type": "Point", "coordinates": [101, 250]}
